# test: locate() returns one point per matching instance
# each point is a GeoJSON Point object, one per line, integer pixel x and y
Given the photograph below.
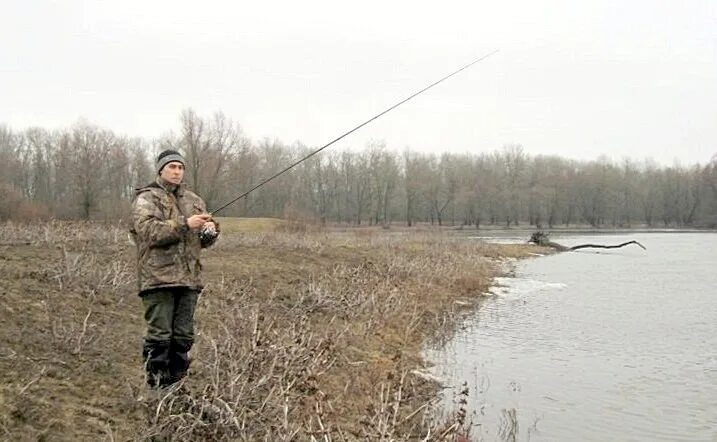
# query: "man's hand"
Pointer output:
{"type": "Point", "coordinates": [196, 222]}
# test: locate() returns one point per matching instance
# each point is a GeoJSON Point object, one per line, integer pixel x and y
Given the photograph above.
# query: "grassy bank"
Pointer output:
{"type": "Point", "coordinates": [301, 333]}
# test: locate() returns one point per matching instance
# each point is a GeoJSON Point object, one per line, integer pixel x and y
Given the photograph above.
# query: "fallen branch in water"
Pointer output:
{"type": "Point", "coordinates": [542, 239]}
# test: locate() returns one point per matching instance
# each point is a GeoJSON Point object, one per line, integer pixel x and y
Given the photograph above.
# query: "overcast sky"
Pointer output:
{"type": "Point", "coordinates": [577, 79]}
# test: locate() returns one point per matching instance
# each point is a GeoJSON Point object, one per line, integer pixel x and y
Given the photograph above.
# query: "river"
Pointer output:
{"type": "Point", "coordinates": [594, 345]}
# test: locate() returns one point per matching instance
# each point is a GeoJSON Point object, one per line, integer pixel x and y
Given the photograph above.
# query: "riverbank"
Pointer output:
{"type": "Point", "coordinates": [300, 332]}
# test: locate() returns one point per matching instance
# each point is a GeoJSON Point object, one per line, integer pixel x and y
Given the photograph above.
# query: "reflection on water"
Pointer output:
{"type": "Point", "coordinates": [596, 345]}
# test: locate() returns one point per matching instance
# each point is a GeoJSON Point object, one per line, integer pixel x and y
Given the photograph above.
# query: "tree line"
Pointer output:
{"type": "Point", "coordinates": [88, 172]}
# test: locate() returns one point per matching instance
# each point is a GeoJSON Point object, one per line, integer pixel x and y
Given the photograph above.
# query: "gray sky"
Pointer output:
{"type": "Point", "coordinates": [573, 78]}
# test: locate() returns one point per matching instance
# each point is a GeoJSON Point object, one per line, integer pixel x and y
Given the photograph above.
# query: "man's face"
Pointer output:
{"type": "Point", "coordinates": [172, 172]}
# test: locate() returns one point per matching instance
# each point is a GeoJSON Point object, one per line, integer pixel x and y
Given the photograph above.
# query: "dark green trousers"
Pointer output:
{"type": "Point", "coordinates": [169, 314]}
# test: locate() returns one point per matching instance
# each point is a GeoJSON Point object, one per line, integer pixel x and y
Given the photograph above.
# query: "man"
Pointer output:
{"type": "Point", "coordinates": [170, 226]}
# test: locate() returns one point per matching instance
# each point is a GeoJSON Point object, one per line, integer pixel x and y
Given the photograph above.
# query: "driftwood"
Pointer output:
{"type": "Point", "coordinates": [543, 239]}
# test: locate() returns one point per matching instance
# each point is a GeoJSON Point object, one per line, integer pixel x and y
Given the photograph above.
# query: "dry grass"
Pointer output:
{"type": "Point", "coordinates": [302, 335]}
{"type": "Point", "coordinates": [257, 225]}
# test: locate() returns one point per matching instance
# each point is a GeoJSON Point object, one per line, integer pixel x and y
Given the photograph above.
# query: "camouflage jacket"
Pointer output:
{"type": "Point", "coordinates": [167, 251]}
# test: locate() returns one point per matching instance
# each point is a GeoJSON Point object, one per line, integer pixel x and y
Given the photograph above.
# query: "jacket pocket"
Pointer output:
{"type": "Point", "coordinates": [160, 257]}
{"type": "Point", "coordinates": [164, 266]}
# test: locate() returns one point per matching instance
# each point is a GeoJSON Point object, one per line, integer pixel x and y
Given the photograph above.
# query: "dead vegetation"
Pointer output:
{"type": "Point", "coordinates": [303, 334]}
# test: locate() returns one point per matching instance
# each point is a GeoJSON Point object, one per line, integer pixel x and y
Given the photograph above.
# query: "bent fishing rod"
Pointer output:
{"type": "Point", "coordinates": [215, 211]}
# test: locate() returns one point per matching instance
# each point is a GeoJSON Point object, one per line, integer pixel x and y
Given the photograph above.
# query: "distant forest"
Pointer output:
{"type": "Point", "coordinates": [88, 172]}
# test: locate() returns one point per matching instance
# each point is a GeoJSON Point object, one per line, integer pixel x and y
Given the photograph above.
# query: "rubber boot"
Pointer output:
{"type": "Point", "coordinates": [156, 362]}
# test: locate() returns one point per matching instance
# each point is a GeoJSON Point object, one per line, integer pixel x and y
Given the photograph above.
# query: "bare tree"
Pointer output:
{"type": "Point", "coordinates": [411, 183]}
{"type": "Point", "coordinates": [384, 176]}
{"type": "Point", "coordinates": [90, 147]}
{"type": "Point", "coordinates": [515, 164]}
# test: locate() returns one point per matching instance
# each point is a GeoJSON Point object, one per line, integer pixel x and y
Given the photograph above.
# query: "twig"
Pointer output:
{"type": "Point", "coordinates": [108, 430]}
{"type": "Point", "coordinates": [80, 338]}
{"type": "Point", "coordinates": [416, 411]}
{"type": "Point", "coordinates": [449, 430]}
{"type": "Point", "coordinates": [35, 379]}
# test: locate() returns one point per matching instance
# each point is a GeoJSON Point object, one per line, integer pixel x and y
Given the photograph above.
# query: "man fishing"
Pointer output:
{"type": "Point", "coordinates": [170, 226]}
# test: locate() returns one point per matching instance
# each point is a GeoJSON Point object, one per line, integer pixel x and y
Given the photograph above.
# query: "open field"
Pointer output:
{"type": "Point", "coordinates": [302, 333]}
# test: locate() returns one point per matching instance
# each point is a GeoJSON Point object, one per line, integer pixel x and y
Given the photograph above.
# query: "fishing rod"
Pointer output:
{"type": "Point", "coordinates": [215, 211]}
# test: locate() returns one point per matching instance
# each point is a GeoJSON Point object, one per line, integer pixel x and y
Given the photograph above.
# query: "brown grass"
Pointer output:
{"type": "Point", "coordinates": [308, 335]}
{"type": "Point", "coordinates": [255, 225]}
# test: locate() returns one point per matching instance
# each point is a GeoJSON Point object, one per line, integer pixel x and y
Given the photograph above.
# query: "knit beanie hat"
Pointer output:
{"type": "Point", "coordinates": [167, 157]}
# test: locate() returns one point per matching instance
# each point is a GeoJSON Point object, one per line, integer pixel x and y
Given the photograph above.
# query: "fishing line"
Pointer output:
{"type": "Point", "coordinates": [215, 211]}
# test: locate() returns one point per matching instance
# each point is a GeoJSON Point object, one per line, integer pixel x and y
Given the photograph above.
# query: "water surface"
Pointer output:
{"type": "Point", "coordinates": [597, 345]}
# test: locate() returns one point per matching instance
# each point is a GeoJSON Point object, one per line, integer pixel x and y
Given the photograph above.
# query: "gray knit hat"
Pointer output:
{"type": "Point", "coordinates": [167, 157]}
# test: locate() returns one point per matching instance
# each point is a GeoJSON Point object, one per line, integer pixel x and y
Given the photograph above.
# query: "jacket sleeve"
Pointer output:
{"type": "Point", "coordinates": [148, 222]}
